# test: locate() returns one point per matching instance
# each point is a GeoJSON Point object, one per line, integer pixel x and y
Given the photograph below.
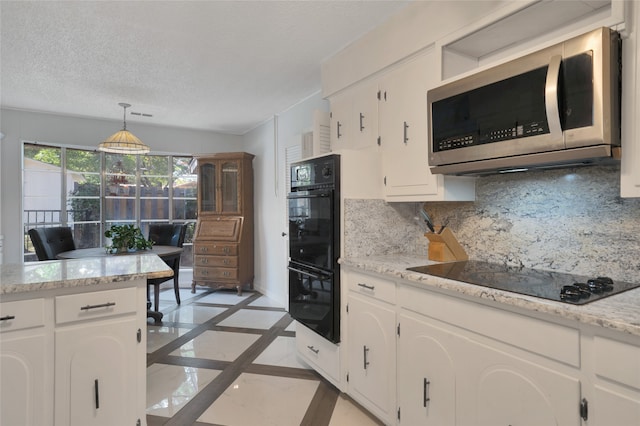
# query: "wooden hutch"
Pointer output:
{"type": "Point", "coordinates": [223, 239]}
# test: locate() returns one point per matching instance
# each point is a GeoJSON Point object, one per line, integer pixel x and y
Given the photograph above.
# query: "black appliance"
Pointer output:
{"type": "Point", "coordinates": [558, 286]}
{"type": "Point", "coordinates": [314, 245]}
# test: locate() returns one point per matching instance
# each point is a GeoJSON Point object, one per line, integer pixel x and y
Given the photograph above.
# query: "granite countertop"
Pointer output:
{"type": "Point", "coordinates": [56, 274]}
{"type": "Point", "coordinates": [620, 312]}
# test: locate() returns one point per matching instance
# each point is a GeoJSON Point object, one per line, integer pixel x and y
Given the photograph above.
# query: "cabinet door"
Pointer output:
{"type": "Point", "coordinates": [365, 116]}
{"type": "Point", "coordinates": [230, 187]}
{"type": "Point", "coordinates": [371, 357]}
{"type": "Point", "coordinates": [508, 390]}
{"type": "Point", "coordinates": [96, 376]}
{"type": "Point", "coordinates": [426, 374]}
{"type": "Point", "coordinates": [207, 183]}
{"type": "Point", "coordinates": [23, 362]}
{"type": "Point", "coordinates": [612, 407]}
{"type": "Point", "coordinates": [403, 129]}
{"type": "Point", "coordinates": [341, 107]}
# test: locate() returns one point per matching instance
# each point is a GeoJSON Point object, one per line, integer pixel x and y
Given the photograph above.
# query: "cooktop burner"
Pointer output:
{"type": "Point", "coordinates": [550, 285]}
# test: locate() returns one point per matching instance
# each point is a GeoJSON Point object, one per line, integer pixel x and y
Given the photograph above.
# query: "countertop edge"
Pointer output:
{"type": "Point", "coordinates": [620, 313]}
{"type": "Point", "coordinates": [35, 277]}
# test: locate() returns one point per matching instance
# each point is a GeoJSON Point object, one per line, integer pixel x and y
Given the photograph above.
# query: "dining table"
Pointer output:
{"type": "Point", "coordinates": [166, 253]}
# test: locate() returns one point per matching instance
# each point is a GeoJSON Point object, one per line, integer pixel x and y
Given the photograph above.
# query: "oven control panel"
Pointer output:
{"type": "Point", "coordinates": [321, 172]}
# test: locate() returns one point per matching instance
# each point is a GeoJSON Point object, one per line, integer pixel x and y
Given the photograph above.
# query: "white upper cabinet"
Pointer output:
{"type": "Point", "coordinates": [403, 136]}
{"type": "Point", "coordinates": [354, 118]}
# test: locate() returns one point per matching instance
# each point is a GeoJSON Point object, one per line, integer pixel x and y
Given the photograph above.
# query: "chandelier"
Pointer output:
{"type": "Point", "coordinates": [123, 142]}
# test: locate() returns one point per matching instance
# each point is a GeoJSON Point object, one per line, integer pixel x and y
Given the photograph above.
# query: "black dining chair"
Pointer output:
{"type": "Point", "coordinates": [48, 242]}
{"type": "Point", "coordinates": [166, 234]}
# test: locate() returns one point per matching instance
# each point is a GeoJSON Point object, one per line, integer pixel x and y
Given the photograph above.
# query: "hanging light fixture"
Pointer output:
{"type": "Point", "coordinates": [123, 142]}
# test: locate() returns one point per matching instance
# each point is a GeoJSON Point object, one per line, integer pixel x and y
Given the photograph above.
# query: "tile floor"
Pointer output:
{"type": "Point", "coordinates": [224, 359]}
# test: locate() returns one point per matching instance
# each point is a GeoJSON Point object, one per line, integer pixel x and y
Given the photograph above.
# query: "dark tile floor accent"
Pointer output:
{"type": "Point", "coordinates": [321, 406]}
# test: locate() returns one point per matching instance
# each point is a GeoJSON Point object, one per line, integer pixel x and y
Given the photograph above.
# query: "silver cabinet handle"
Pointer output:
{"type": "Point", "coordinates": [7, 318]}
{"type": "Point", "coordinates": [361, 122]}
{"type": "Point", "coordinates": [368, 287]}
{"type": "Point", "coordinates": [338, 130]}
{"type": "Point", "coordinates": [313, 349]}
{"type": "Point", "coordinates": [102, 305]}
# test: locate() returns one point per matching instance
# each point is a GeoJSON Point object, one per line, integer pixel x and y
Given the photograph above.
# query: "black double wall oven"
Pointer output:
{"type": "Point", "coordinates": [314, 245]}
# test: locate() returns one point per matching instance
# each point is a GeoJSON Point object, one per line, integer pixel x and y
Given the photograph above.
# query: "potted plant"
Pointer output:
{"type": "Point", "coordinates": [126, 238]}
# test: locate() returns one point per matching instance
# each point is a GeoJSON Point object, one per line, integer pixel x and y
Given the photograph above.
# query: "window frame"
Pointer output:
{"type": "Point", "coordinates": [103, 223]}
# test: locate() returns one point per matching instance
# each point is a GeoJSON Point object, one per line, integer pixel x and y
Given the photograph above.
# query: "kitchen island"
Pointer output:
{"type": "Point", "coordinates": [75, 329]}
{"type": "Point", "coordinates": [427, 350]}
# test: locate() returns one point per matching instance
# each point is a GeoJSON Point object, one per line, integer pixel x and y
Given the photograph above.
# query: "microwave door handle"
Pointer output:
{"type": "Point", "coordinates": [551, 97]}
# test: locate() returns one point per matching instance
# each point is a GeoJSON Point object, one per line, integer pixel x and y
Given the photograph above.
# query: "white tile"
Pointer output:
{"type": "Point", "coordinates": [193, 314]}
{"type": "Point", "coordinates": [255, 399]}
{"type": "Point", "coordinates": [281, 352]}
{"type": "Point", "coordinates": [264, 301]}
{"type": "Point", "coordinates": [248, 318]}
{"type": "Point", "coordinates": [216, 345]}
{"type": "Point", "coordinates": [347, 413]}
{"type": "Point", "coordinates": [292, 326]}
{"type": "Point", "coordinates": [158, 336]}
{"type": "Point", "coordinates": [170, 387]}
{"type": "Point", "coordinates": [223, 297]}
{"type": "Point", "coordinates": [185, 294]}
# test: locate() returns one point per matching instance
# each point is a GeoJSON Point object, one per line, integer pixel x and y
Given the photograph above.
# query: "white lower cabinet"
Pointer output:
{"type": "Point", "coordinates": [320, 353]}
{"type": "Point", "coordinates": [510, 390]}
{"type": "Point", "coordinates": [616, 394]}
{"type": "Point", "coordinates": [95, 373]}
{"type": "Point", "coordinates": [99, 353]}
{"type": "Point", "coordinates": [447, 360]}
{"type": "Point", "coordinates": [24, 356]}
{"type": "Point", "coordinates": [75, 359]}
{"type": "Point", "coordinates": [446, 377]}
{"type": "Point", "coordinates": [372, 355]}
{"type": "Point", "coordinates": [426, 374]}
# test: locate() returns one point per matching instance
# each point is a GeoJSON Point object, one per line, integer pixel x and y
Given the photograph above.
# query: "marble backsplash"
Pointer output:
{"type": "Point", "coordinates": [569, 220]}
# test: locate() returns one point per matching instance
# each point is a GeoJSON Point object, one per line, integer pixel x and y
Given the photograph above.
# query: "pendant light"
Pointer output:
{"type": "Point", "coordinates": [123, 142]}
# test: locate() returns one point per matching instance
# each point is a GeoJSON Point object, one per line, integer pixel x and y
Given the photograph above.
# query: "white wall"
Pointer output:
{"type": "Point", "coordinates": [270, 193]}
{"type": "Point", "coordinates": [19, 126]}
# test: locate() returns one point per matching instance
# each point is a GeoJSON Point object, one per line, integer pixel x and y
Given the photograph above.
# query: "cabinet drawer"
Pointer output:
{"type": "Point", "coordinates": [318, 352]}
{"type": "Point", "coordinates": [219, 228]}
{"type": "Point", "coordinates": [544, 338]}
{"type": "Point", "coordinates": [372, 286]}
{"type": "Point", "coordinates": [202, 273]}
{"type": "Point", "coordinates": [617, 361]}
{"type": "Point", "coordinates": [98, 304]}
{"type": "Point", "coordinates": [219, 261]}
{"type": "Point", "coordinates": [220, 249]}
{"type": "Point", "coordinates": [21, 314]}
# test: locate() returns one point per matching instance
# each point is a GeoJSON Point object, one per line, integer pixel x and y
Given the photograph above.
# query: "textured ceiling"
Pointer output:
{"type": "Point", "coordinates": [225, 66]}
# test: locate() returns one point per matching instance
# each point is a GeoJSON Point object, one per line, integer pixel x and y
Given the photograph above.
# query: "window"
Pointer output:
{"type": "Point", "coordinates": [89, 191]}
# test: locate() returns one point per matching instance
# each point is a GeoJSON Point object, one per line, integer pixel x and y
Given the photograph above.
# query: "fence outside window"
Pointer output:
{"type": "Point", "coordinates": [89, 191]}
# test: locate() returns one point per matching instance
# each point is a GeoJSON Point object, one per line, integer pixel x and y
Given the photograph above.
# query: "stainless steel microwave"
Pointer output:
{"type": "Point", "coordinates": [557, 106]}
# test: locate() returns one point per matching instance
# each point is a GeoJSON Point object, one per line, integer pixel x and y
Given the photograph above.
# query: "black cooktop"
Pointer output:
{"type": "Point", "coordinates": [550, 285]}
